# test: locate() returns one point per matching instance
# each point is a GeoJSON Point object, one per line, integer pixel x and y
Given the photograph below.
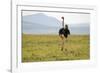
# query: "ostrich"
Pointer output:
{"type": "Point", "coordinates": [63, 33]}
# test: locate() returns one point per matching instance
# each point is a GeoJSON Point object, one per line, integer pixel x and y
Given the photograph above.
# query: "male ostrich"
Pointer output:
{"type": "Point", "coordinates": [63, 33]}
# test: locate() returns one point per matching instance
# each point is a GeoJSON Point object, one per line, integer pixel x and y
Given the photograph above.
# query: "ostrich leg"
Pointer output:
{"type": "Point", "coordinates": [62, 42]}
{"type": "Point", "coordinates": [62, 45]}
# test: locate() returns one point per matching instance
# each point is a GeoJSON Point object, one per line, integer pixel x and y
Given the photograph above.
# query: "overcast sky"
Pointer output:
{"type": "Point", "coordinates": [70, 18]}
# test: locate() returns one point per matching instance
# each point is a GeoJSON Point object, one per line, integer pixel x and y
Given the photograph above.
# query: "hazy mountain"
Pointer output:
{"type": "Point", "coordinates": [42, 24]}
{"type": "Point", "coordinates": [79, 30]}
{"type": "Point", "coordinates": [35, 28]}
{"type": "Point", "coordinates": [43, 19]}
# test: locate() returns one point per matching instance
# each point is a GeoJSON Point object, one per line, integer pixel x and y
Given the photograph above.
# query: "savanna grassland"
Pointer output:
{"type": "Point", "coordinates": [37, 48]}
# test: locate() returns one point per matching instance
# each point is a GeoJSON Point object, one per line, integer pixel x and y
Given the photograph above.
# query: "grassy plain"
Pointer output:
{"type": "Point", "coordinates": [37, 48]}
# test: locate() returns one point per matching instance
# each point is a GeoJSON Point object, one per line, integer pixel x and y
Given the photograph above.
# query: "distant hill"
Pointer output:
{"type": "Point", "coordinates": [80, 30]}
{"type": "Point", "coordinates": [42, 24]}
{"type": "Point", "coordinates": [42, 19]}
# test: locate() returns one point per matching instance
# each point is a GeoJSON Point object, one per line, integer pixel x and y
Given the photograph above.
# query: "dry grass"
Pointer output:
{"type": "Point", "coordinates": [47, 48]}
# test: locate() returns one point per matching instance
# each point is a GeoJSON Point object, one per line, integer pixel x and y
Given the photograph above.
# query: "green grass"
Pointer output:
{"type": "Point", "coordinates": [48, 48]}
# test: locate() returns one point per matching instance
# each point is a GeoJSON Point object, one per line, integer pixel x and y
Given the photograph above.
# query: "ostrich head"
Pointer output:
{"type": "Point", "coordinates": [62, 17]}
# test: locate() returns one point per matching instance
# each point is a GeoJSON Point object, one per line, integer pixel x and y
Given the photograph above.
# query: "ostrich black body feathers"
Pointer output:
{"type": "Point", "coordinates": [64, 31]}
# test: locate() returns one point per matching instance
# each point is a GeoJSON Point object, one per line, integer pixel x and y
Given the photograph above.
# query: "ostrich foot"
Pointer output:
{"type": "Point", "coordinates": [62, 49]}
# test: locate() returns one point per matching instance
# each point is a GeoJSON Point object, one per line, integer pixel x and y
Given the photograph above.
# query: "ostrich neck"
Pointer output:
{"type": "Point", "coordinates": [63, 23]}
